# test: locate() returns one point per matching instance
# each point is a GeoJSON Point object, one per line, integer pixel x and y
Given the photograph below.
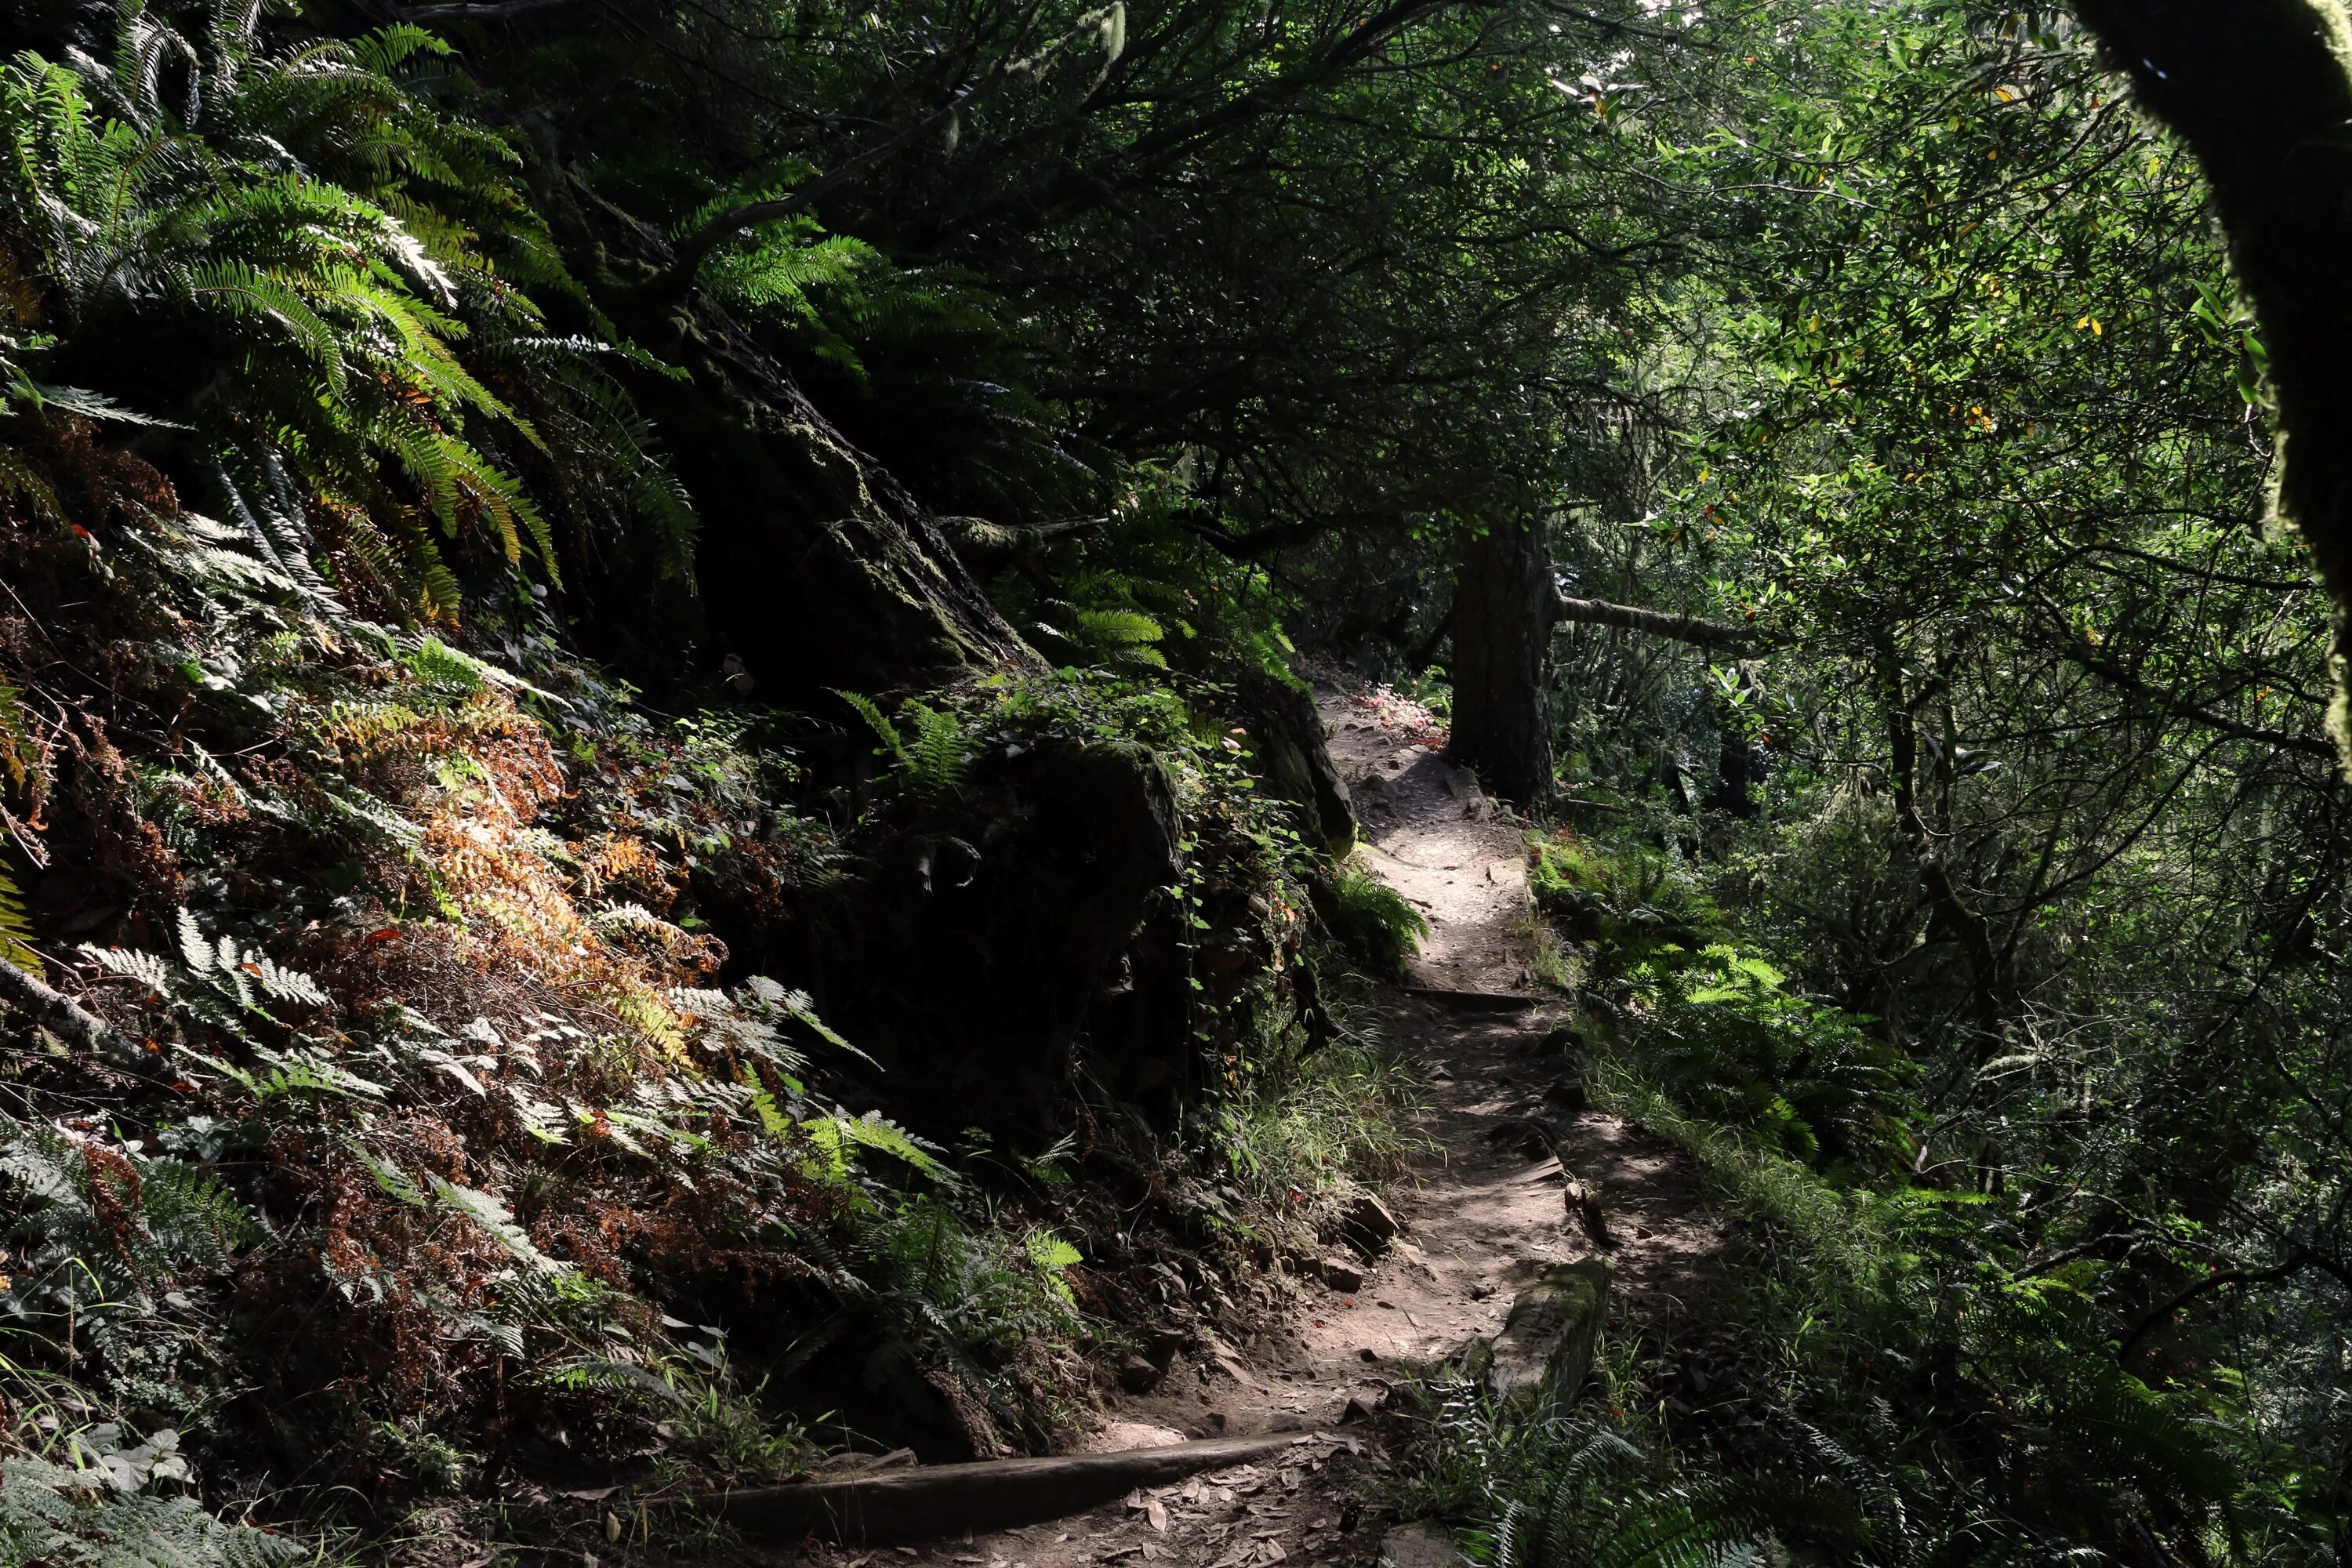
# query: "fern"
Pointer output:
{"type": "Point", "coordinates": [97, 1233]}
{"type": "Point", "coordinates": [1372, 920]}
{"type": "Point", "coordinates": [304, 208]}
{"type": "Point", "coordinates": [495, 1218]}
{"type": "Point", "coordinates": [940, 758]}
{"type": "Point", "coordinates": [938, 761]}
{"type": "Point", "coordinates": [894, 746]}
{"type": "Point", "coordinates": [15, 928]}
{"type": "Point", "coordinates": [151, 971]}
{"type": "Point", "coordinates": [1120, 637]}
{"type": "Point", "coordinates": [53, 1515]}
{"type": "Point", "coordinates": [1599, 1509]}
{"type": "Point", "coordinates": [220, 986]}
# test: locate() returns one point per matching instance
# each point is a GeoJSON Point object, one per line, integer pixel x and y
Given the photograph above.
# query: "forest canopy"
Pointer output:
{"type": "Point", "coordinates": [655, 722]}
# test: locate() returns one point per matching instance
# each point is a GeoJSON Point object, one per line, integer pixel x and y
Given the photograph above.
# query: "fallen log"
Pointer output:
{"type": "Point", "coordinates": [947, 1499]}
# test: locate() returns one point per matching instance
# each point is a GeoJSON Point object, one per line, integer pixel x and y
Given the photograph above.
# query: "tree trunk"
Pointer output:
{"type": "Point", "coordinates": [2261, 90]}
{"type": "Point", "coordinates": [814, 566]}
{"type": "Point", "coordinates": [1503, 609]}
{"type": "Point", "coordinates": [817, 567]}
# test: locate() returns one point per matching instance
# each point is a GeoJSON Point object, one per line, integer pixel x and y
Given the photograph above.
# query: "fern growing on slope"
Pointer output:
{"type": "Point", "coordinates": [1598, 1511]}
{"type": "Point", "coordinates": [301, 212]}
{"type": "Point", "coordinates": [938, 760]}
{"type": "Point", "coordinates": [59, 1517]}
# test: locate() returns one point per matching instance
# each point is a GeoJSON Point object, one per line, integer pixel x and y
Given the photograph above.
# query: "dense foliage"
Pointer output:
{"type": "Point", "coordinates": [648, 692]}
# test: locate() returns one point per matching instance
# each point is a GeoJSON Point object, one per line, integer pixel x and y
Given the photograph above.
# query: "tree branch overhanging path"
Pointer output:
{"type": "Point", "coordinates": [1108, 26]}
{"type": "Point", "coordinates": [1696, 630]}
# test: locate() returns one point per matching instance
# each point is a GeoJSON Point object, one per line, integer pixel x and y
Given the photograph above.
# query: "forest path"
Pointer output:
{"type": "Point", "coordinates": [1482, 1219]}
{"type": "Point", "coordinates": [1435, 837]}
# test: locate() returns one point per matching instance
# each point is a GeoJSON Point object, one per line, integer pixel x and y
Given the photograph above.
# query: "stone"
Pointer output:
{"type": "Point", "coordinates": [1339, 1273]}
{"type": "Point", "coordinates": [1419, 1546]}
{"type": "Point", "coordinates": [1284, 740]}
{"type": "Point", "coordinates": [1558, 1041]}
{"type": "Point", "coordinates": [1370, 1224]}
{"type": "Point", "coordinates": [1121, 1437]}
{"type": "Point", "coordinates": [1548, 1341]}
{"type": "Point", "coordinates": [1137, 1374]}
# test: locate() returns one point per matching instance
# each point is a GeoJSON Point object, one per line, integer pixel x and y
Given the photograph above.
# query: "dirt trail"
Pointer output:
{"type": "Point", "coordinates": [1482, 1218]}
{"type": "Point", "coordinates": [1435, 837]}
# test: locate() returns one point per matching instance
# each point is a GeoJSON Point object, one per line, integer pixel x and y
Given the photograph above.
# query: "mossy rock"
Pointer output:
{"type": "Point", "coordinates": [1287, 751]}
{"type": "Point", "coordinates": [1546, 1349]}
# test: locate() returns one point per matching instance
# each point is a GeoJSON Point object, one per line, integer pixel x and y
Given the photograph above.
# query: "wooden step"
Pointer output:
{"type": "Point", "coordinates": [935, 1501]}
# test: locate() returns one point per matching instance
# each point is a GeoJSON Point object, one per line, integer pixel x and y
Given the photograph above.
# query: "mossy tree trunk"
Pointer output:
{"type": "Point", "coordinates": [814, 565]}
{"type": "Point", "coordinates": [2261, 92]}
{"type": "Point", "coordinates": [817, 567]}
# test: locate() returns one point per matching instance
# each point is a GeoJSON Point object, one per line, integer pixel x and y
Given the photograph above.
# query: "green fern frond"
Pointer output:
{"type": "Point", "coordinates": [240, 288]}
{"type": "Point", "coordinates": [151, 970]}
{"type": "Point", "coordinates": [895, 747]}
{"type": "Point", "coordinates": [22, 481]}
{"type": "Point", "coordinates": [51, 1514]}
{"type": "Point", "coordinates": [940, 758]}
{"type": "Point", "coordinates": [383, 53]}
{"type": "Point", "coordinates": [1118, 628]}
{"type": "Point", "coordinates": [18, 755]}
{"type": "Point", "coordinates": [15, 928]}
{"type": "Point", "coordinates": [495, 1218]}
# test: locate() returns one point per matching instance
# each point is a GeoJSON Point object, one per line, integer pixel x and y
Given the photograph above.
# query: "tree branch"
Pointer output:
{"type": "Point", "coordinates": [67, 1019]}
{"type": "Point", "coordinates": [2115, 675]}
{"type": "Point", "coordinates": [1692, 629]}
{"type": "Point", "coordinates": [978, 540]}
{"type": "Point", "coordinates": [696, 247]}
{"type": "Point", "coordinates": [1258, 543]}
{"type": "Point", "coordinates": [2295, 1262]}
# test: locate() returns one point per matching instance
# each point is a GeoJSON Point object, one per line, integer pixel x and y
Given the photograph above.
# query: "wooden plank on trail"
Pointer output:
{"type": "Point", "coordinates": [946, 1500]}
{"type": "Point", "coordinates": [1473, 1001]}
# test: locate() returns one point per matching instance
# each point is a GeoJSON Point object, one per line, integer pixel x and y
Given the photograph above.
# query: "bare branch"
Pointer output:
{"type": "Point", "coordinates": [71, 1022]}
{"type": "Point", "coordinates": [474, 10]}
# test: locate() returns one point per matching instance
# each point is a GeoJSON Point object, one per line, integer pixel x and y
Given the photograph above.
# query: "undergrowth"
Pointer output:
{"type": "Point", "coordinates": [469, 1153]}
{"type": "Point", "coordinates": [1886, 1373]}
